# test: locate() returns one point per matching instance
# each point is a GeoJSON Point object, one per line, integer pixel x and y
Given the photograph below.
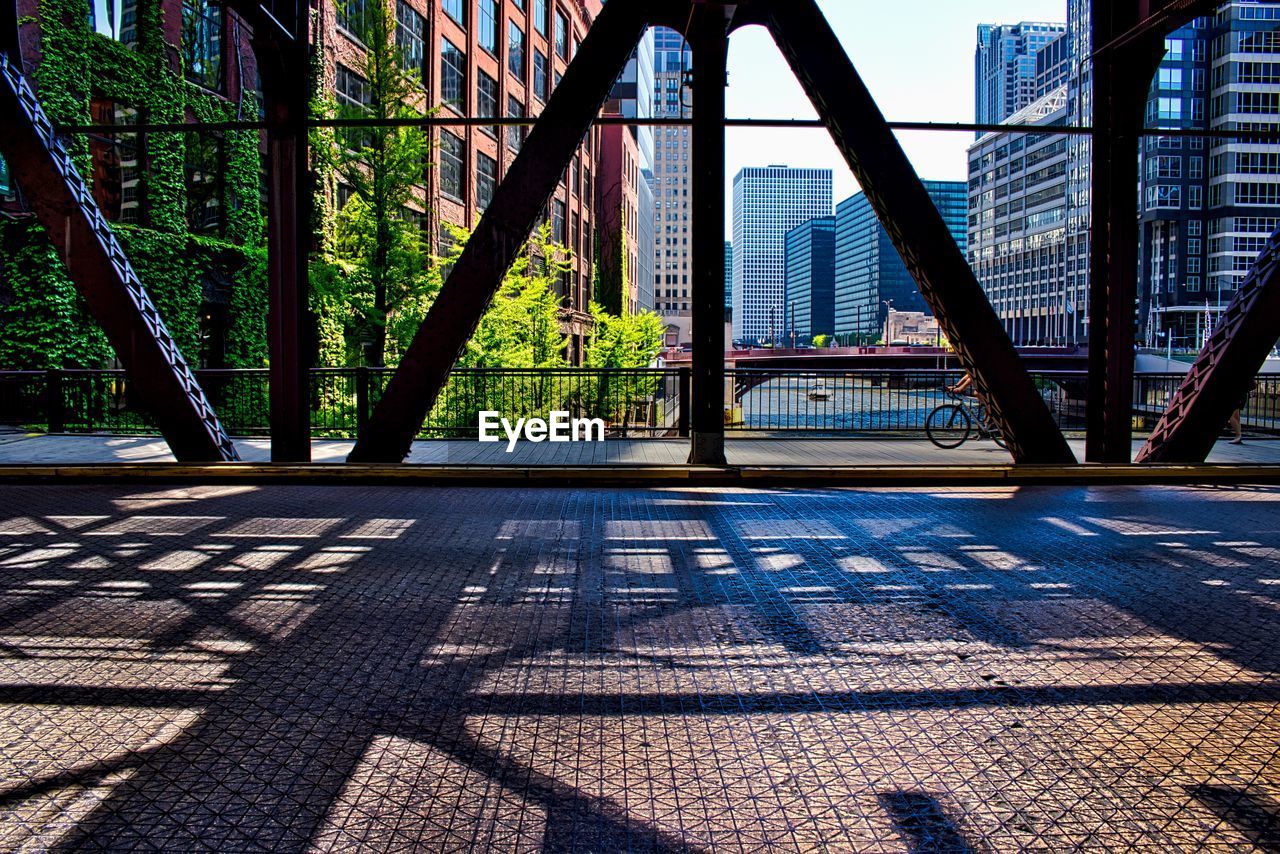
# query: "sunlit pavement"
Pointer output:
{"type": "Point", "coordinates": [741, 450]}
{"type": "Point", "coordinates": [286, 668]}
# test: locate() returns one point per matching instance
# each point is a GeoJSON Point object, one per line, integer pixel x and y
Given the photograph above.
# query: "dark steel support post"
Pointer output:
{"type": "Point", "coordinates": [284, 80]}
{"type": "Point", "coordinates": [500, 235]}
{"type": "Point", "coordinates": [1223, 374]}
{"type": "Point", "coordinates": [914, 225]}
{"type": "Point", "coordinates": [710, 41]}
{"type": "Point", "coordinates": [1121, 78]}
{"type": "Point", "coordinates": [683, 399]}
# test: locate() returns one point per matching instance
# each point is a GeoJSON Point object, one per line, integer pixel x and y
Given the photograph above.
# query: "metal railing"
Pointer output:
{"type": "Point", "coordinates": [646, 402]}
{"type": "Point", "coordinates": [865, 402]}
{"type": "Point", "coordinates": [639, 402]}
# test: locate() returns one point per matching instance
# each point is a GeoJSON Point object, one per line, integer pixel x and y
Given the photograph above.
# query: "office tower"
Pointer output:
{"type": "Point", "coordinates": [1017, 225]}
{"type": "Point", "coordinates": [1004, 64]}
{"type": "Point", "coordinates": [632, 97]}
{"type": "Point", "coordinates": [811, 280]}
{"type": "Point", "coordinates": [767, 203]}
{"type": "Point", "coordinates": [672, 65]}
{"type": "Point", "coordinates": [1051, 65]}
{"type": "Point", "coordinates": [1206, 206]}
{"type": "Point", "coordinates": [870, 276]}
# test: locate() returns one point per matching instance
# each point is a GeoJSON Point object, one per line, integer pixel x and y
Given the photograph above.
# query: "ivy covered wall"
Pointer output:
{"type": "Point", "coordinates": [44, 319]}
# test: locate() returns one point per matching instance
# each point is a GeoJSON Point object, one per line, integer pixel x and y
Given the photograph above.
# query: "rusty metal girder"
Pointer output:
{"type": "Point", "coordinates": [1223, 373]}
{"type": "Point", "coordinates": [281, 44]}
{"type": "Point", "coordinates": [500, 235]}
{"type": "Point", "coordinates": [915, 226]}
{"type": "Point", "coordinates": [98, 267]}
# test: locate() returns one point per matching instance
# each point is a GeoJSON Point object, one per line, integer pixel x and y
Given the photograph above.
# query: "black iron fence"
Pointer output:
{"type": "Point", "coordinates": [648, 402]}
{"type": "Point", "coordinates": [643, 402]}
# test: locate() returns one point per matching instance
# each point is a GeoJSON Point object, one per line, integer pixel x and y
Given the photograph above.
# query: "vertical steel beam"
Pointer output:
{"type": "Point", "coordinates": [281, 42]}
{"type": "Point", "coordinates": [1224, 372]}
{"type": "Point", "coordinates": [101, 272]}
{"type": "Point", "coordinates": [710, 42]}
{"type": "Point", "coordinates": [916, 228]}
{"type": "Point", "coordinates": [1121, 78]}
{"type": "Point", "coordinates": [500, 235]}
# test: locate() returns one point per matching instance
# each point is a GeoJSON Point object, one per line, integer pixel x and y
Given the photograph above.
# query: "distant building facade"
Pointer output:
{"type": "Point", "coordinates": [811, 280]}
{"type": "Point", "coordinates": [673, 261]}
{"type": "Point", "coordinates": [1005, 73]}
{"type": "Point", "coordinates": [728, 276]}
{"type": "Point", "coordinates": [1017, 226]}
{"type": "Point", "coordinates": [870, 276]}
{"type": "Point", "coordinates": [767, 203]}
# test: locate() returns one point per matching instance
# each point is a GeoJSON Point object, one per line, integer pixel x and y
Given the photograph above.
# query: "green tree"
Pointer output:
{"type": "Point", "coordinates": [821, 341]}
{"type": "Point", "coordinates": [375, 274]}
{"type": "Point", "coordinates": [620, 344]}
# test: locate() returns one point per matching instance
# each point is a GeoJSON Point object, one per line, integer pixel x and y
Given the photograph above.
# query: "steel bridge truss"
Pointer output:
{"type": "Point", "coordinates": [1128, 43]}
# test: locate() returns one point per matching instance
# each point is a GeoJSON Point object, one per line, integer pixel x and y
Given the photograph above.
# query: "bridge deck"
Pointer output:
{"type": "Point", "coordinates": [20, 449]}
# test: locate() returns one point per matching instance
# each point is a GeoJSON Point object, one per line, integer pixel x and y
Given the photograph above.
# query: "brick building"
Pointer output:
{"type": "Point", "coordinates": [482, 58]}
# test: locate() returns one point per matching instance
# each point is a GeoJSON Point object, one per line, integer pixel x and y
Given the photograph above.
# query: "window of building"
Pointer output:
{"type": "Point", "coordinates": [515, 133]}
{"type": "Point", "coordinates": [515, 50]}
{"type": "Point", "coordinates": [486, 180]}
{"type": "Point", "coordinates": [353, 18]}
{"type": "Point", "coordinates": [453, 76]}
{"type": "Point", "coordinates": [540, 16]}
{"type": "Point", "coordinates": [558, 221]}
{"type": "Point", "coordinates": [204, 170]}
{"type": "Point", "coordinates": [487, 101]}
{"type": "Point", "coordinates": [562, 36]}
{"type": "Point", "coordinates": [456, 9]}
{"type": "Point", "coordinates": [487, 36]}
{"type": "Point", "coordinates": [409, 29]}
{"type": "Point", "coordinates": [202, 43]}
{"type": "Point", "coordinates": [115, 19]}
{"type": "Point", "coordinates": [354, 98]}
{"type": "Point", "coordinates": [453, 161]}
{"type": "Point", "coordinates": [1170, 78]}
{"type": "Point", "coordinates": [541, 82]}
{"type": "Point", "coordinates": [1195, 198]}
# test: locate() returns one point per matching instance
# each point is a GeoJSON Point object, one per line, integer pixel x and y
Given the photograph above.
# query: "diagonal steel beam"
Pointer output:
{"type": "Point", "coordinates": [1224, 372]}
{"type": "Point", "coordinates": [101, 272]}
{"type": "Point", "coordinates": [914, 225]}
{"type": "Point", "coordinates": [502, 231]}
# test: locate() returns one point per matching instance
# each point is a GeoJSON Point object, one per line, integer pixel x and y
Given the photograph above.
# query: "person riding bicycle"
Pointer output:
{"type": "Point", "coordinates": [961, 388]}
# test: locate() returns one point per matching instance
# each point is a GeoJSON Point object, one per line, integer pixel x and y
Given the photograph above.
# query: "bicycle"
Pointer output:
{"type": "Point", "coordinates": [950, 425]}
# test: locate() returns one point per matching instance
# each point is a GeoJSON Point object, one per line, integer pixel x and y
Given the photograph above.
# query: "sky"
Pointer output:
{"type": "Point", "coordinates": [916, 56]}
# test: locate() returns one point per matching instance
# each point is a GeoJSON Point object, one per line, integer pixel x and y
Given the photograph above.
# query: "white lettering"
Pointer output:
{"type": "Point", "coordinates": [559, 427]}
{"type": "Point", "coordinates": [489, 421]}
{"type": "Point", "coordinates": [586, 425]}
{"type": "Point", "coordinates": [512, 435]}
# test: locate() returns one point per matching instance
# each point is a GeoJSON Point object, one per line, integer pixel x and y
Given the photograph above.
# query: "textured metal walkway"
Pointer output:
{"type": "Point", "coordinates": [245, 668]}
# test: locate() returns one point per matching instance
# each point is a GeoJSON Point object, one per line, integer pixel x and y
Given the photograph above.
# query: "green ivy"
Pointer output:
{"type": "Point", "coordinates": [39, 300]}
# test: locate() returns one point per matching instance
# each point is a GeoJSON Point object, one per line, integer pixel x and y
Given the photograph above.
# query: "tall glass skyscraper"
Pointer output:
{"type": "Point", "coordinates": [811, 279]}
{"type": "Point", "coordinates": [1004, 64]}
{"type": "Point", "coordinates": [767, 203]}
{"type": "Point", "coordinates": [870, 273]}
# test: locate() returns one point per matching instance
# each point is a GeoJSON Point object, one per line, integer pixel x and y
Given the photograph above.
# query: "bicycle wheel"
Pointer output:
{"type": "Point", "coordinates": [948, 426]}
{"type": "Point", "coordinates": [998, 438]}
